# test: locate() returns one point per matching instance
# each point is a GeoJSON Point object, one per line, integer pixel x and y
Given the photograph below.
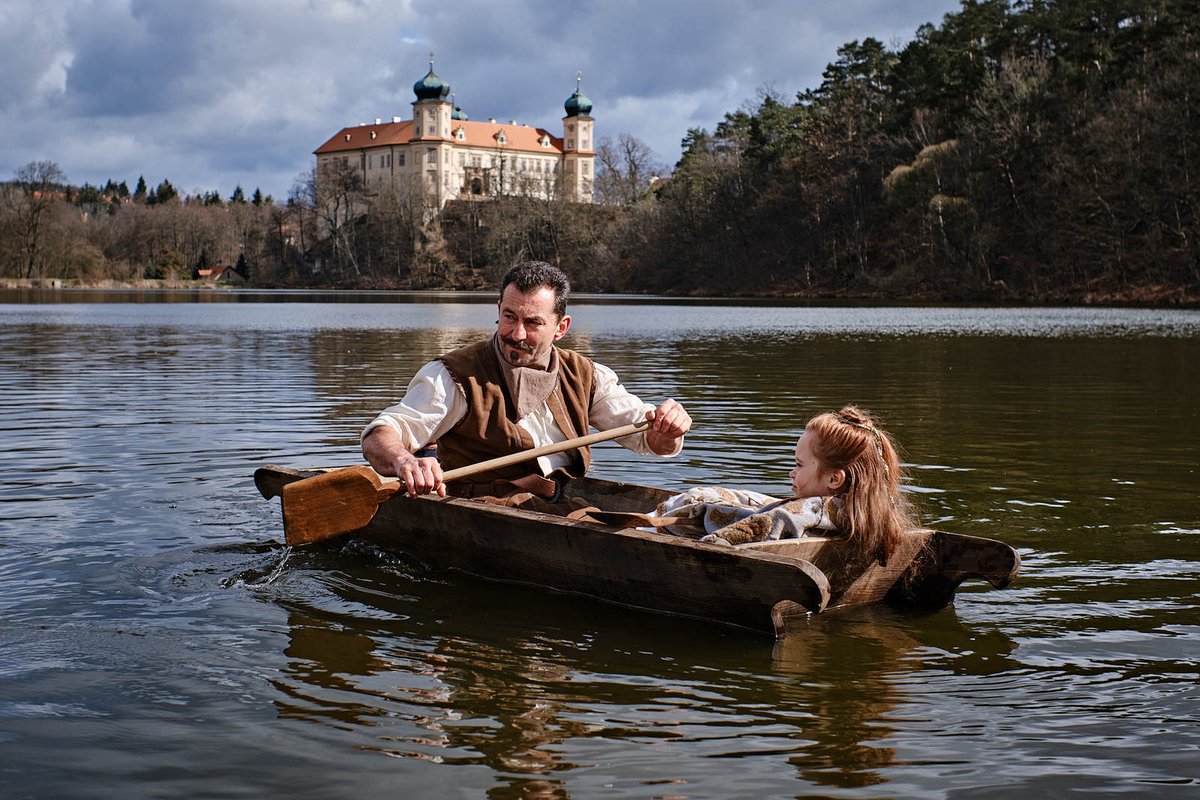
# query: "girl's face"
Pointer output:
{"type": "Point", "coordinates": [810, 478]}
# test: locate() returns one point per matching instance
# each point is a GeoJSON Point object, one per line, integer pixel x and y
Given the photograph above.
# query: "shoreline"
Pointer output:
{"type": "Point", "coordinates": [1154, 296]}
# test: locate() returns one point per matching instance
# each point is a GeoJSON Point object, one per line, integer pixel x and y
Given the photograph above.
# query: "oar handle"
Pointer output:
{"type": "Point", "coordinates": [545, 450]}
{"type": "Point", "coordinates": [345, 500]}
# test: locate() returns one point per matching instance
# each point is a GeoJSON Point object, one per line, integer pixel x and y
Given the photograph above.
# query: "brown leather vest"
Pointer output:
{"type": "Point", "coordinates": [490, 430]}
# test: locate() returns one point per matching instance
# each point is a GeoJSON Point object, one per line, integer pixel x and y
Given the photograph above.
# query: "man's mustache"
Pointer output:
{"type": "Point", "coordinates": [514, 344]}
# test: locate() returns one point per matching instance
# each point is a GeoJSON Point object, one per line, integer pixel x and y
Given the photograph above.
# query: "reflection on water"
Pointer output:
{"type": "Point", "coordinates": [150, 619]}
{"type": "Point", "coordinates": [541, 698]}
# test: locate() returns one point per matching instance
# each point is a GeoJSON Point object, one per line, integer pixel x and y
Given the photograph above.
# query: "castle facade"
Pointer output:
{"type": "Point", "coordinates": [454, 157]}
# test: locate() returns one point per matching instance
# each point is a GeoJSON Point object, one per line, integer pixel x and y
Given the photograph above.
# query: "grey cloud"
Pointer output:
{"type": "Point", "coordinates": [213, 93]}
{"type": "Point", "coordinates": [31, 42]}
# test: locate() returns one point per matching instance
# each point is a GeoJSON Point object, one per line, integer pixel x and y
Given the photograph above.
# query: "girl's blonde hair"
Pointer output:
{"type": "Point", "coordinates": [874, 509]}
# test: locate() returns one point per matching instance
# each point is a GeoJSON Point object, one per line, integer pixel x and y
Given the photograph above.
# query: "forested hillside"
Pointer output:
{"type": "Point", "coordinates": [1034, 150]}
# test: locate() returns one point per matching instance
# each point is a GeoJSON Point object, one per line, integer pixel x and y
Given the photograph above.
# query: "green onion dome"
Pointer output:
{"type": "Point", "coordinates": [431, 87]}
{"type": "Point", "coordinates": [578, 104]}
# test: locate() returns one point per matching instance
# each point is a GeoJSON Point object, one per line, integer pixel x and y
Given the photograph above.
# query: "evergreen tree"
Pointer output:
{"type": "Point", "coordinates": [201, 263]}
{"type": "Point", "coordinates": [166, 191]}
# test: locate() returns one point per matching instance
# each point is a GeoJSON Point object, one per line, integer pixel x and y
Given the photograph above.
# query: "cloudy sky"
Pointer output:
{"type": "Point", "coordinates": [210, 94]}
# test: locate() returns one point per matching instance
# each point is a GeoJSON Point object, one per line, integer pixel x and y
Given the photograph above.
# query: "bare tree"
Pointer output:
{"type": "Point", "coordinates": [337, 197]}
{"type": "Point", "coordinates": [624, 170]}
{"type": "Point", "coordinates": [41, 183]}
{"type": "Point", "coordinates": [395, 228]}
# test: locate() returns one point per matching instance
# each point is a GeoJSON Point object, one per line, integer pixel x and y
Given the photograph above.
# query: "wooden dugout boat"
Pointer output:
{"type": "Point", "coordinates": [765, 586]}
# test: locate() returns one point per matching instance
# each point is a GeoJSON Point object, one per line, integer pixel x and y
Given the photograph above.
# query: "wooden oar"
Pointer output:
{"type": "Point", "coordinates": [345, 500]}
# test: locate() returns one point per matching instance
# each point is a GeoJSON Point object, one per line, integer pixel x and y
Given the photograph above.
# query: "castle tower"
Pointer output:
{"type": "Point", "coordinates": [578, 156]}
{"type": "Point", "coordinates": [431, 133]}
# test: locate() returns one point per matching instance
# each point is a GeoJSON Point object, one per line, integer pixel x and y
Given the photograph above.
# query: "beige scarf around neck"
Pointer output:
{"type": "Point", "coordinates": [530, 386]}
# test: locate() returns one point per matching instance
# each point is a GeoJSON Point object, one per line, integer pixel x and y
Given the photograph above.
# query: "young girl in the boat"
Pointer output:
{"type": "Point", "coordinates": [846, 479]}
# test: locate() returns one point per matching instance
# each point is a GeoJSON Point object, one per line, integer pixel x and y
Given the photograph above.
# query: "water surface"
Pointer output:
{"type": "Point", "coordinates": [156, 638]}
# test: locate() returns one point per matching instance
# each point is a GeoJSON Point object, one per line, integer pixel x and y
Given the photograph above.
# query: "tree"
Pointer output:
{"type": "Point", "coordinates": [238, 195]}
{"type": "Point", "coordinates": [202, 263]}
{"type": "Point", "coordinates": [335, 197]}
{"type": "Point", "coordinates": [624, 170]}
{"type": "Point", "coordinates": [163, 193]}
{"type": "Point", "coordinates": [394, 230]}
{"type": "Point", "coordinates": [41, 182]}
{"type": "Point", "coordinates": [775, 133]}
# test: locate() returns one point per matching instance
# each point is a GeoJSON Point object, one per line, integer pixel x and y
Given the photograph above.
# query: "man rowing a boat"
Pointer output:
{"type": "Point", "coordinates": [513, 392]}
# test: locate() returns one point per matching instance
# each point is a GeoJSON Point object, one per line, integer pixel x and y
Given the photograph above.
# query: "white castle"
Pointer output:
{"type": "Point", "coordinates": [464, 160]}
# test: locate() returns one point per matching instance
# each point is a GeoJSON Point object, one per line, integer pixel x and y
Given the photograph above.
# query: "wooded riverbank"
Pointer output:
{"type": "Point", "coordinates": [1017, 153]}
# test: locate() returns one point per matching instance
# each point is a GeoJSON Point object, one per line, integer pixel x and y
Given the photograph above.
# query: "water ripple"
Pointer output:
{"type": "Point", "coordinates": [150, 614]}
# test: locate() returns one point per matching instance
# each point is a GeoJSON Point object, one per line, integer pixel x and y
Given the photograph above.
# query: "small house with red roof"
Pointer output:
{"type": "Point", "coordinates": [220, 274]}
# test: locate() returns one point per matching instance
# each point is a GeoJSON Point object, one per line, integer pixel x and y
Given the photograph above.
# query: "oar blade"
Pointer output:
{"type": "Point", "coordinates": [329, 505]}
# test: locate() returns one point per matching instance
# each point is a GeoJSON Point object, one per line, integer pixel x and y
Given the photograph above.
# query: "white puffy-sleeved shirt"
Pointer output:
{"type": "Point", "coordinates": [434, 404]}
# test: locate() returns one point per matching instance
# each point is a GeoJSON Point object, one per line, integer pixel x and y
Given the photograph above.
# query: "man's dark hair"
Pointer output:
{"type": "Point", "coordinates": [531, 275]}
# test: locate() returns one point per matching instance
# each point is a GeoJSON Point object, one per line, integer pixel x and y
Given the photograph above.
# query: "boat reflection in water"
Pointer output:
{"type": "Point", "coordinates": [546, 690]}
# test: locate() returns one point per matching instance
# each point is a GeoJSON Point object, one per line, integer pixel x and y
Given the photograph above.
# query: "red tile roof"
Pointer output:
{"type": "Point", "coordinates": [359, 137]}
{"type": "Point", "coordinates": [518, 138]}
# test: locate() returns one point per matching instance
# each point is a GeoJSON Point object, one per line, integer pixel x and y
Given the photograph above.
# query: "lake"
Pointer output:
{"type": "Point", "coordinates": [158, 640]}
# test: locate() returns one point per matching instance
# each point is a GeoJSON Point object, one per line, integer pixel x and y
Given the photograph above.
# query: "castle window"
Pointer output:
{"type": "Point", "coordinates": [401, 160]}
{"type": "Point", "coordinates": [570, 144]}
